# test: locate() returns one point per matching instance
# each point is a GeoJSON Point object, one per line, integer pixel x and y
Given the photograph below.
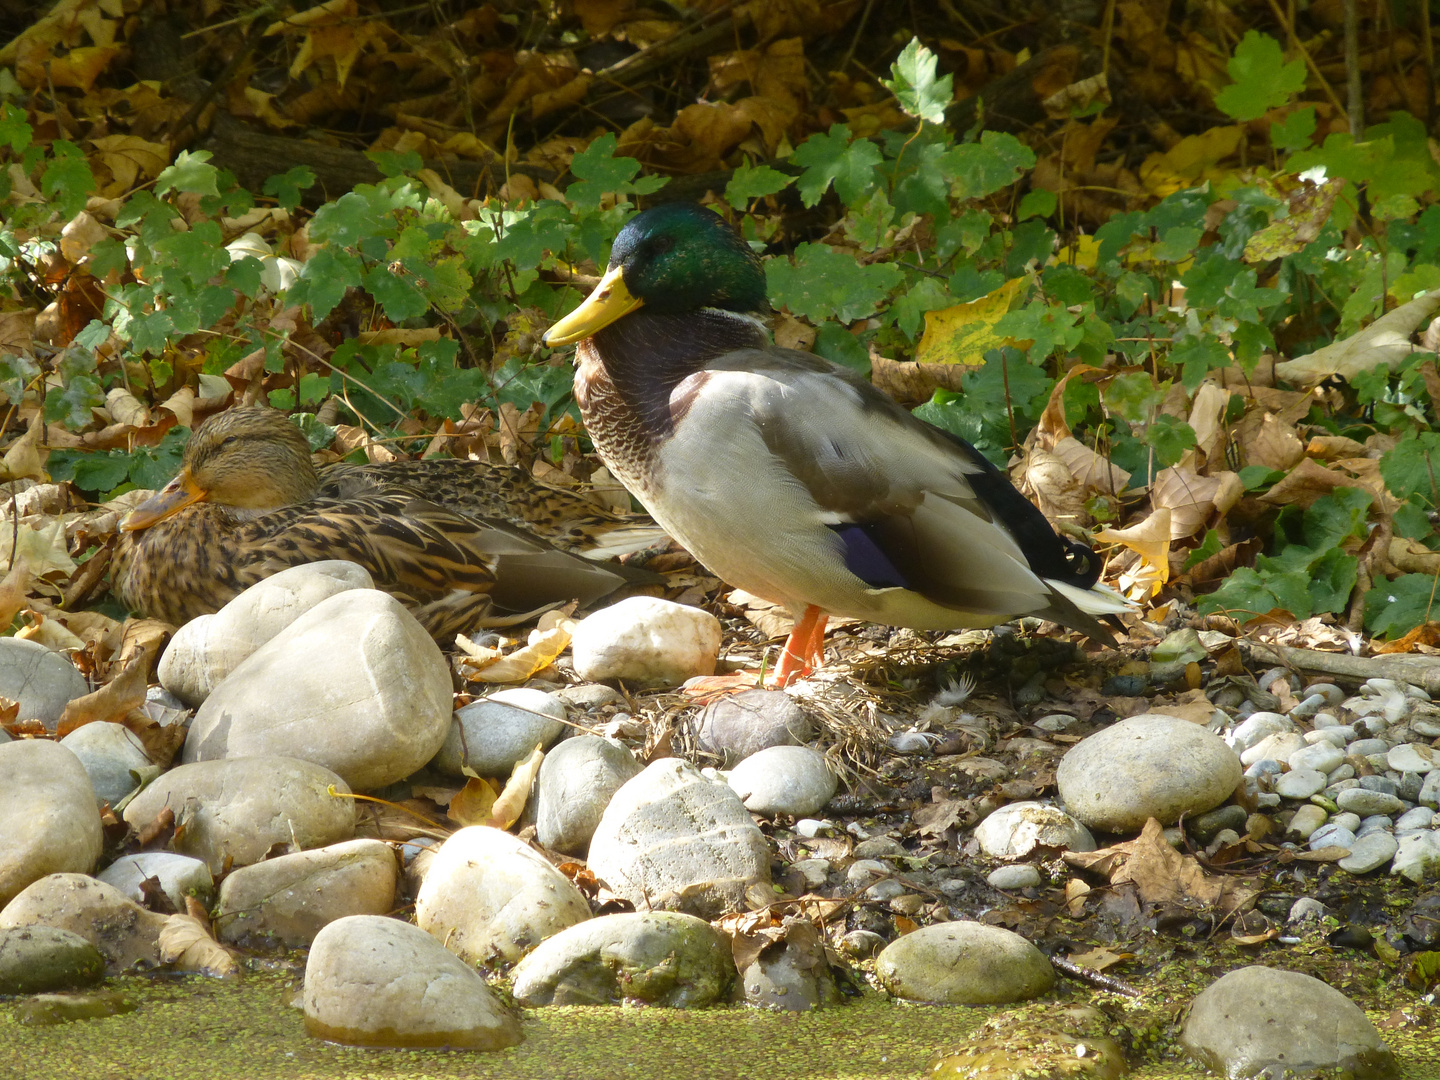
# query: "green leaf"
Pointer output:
{"type": "Point", "coordinates": [14, 131]}
{"type": "Point", "coordinates": [1038, 202]}
{"type": "Point", "coordinates": [1336, 517]}
{"type": "Point", "coordinates": [286, 187]}
{"type": "Point", "coordinates": [754, 182]}
{"type": "Point", "coordinates": [1170, 437]}
{"type": "Point", "coordinates": [1295, 131]}
{"type": "Point", "coordinates": [1332, 580]}
{"type": "Point", "coordinates": [71, 407]}
{"type": "Point", "coordinates": [831, 157]}
{"type": "Point", "coordinates": [1412, 467]}
{"type": "Point", "coordinates": [927, 294]}
{"type": "Point", "coordinates": [915, 86]}
{"type": "Point", "coordinates": [190, 172]}
{"type": "Point", "coordinates": [601, 174]}
{"type": "Point", "coordinates": [824, 284]}
{"type": "Point", "coordinates": [398, 294]}
{"type": "Point", "coordinates": [839, 346]}
{"type": "Point", "coordinates": [1412, 522]}
{"type": "Point", "coordinates": [980, 169]}
{"type": "Point", "coordinates": [1263, 80]}
{"type": "Point", "coordinates": [1134, 396]}
{"type": "Point", "coordinates": [1396, 607]}
{"type": "Point", "coordinates": [1247, 593]}
{"type": "Point", "coordinates": [1209, 547]}
{"type": "Point", "coordinates": [1196, 358]}
{"type": "Point", "coordinates": [67, 180]}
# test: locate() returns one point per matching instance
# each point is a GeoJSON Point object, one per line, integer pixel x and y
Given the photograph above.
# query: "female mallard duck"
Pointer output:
{"type": "Point", "coordinates": [791, 477]}
{"type": "Point", "coordinates": [439, 535]}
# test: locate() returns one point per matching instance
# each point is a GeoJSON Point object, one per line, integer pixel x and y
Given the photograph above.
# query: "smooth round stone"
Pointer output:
{"type": "Point", "coordinates": [815, 872]}
{"type": "Point", "coordinates": [1306, 910]}
{"type": "Point", "coordinates": [880, 847]}
{"type": "Point", "coordinates": [1257, 726]}
{"type": "Point", "coordinates": [886, 890]}
{"type": "Point", "coordinates": [810, 828]}
{"type": "Point", "coordinates": [1373, 822]}
{"type": "Point", "coordinates": [1348, 821]}
{"type": "Point", "coordinates": [1367, 747]}
{"type": "Point", "coordinates": [1383, 784]}
{"type": "Point", "coordinates": [795, 977]}
{"type": "Point", "coordinates": [1306, 820]}
{"type": "Point", "coordinates": [1017, 829]}
{"type": "Point", "coordinates": [1334, 736]}
{"type": "Point", "coordinates": [1332, 834]}
{"type": "Point", "coordinates": [42, 682]}
{"type": "Point", "coordinates": [288, 900]}
{"type": "Point", "coordinates": [179, 876]}
{"type": "Point", "coordinates": [355, 685]}
{"type": "Point", "coordinates": [1359, 800]}
{"type": "Point", "coordinates": [493, 734]}
{"type": "Point", "coordinates": [794, 780]}
{"type": "Point", "coordinates": [1264, 767]}
{"type": "Point", "coordinates": [112, 756]}
{"type": "Point", "coordinates": [658, 958]}
{"type": "Point", "coordinates": [1430, 790]}
{"type": "Point", "coordinates": [1150, 765]}
{"type": "Point", "coordinates": [48, 814]}
{"type": "Point", "coordinates": [1307, 707]}
{"type": "Point", "coordinates": [1278, 746]}
{"type": "Point", "coordinates": [1323, 757]}
{"type": "Point", "coordinates": [964, 963]}
{"type": "Point", "coordinates": [1412, 757]}
{"type": "Point", "coordinates": [737, 725]}
{"type": "Point", "coordinates": [576, 782]}
{"type": "Point", "coordinates": [863, 871]}
{"type": "Point", "coordinates": [861, 944]}
{"type": "Point", "coordinates": [1418, 856]}
{"type": "Point", "coordinates": [1370, 852]}
{"type": "Point", "coordinates": [646, 641]}
{"type": "Point", "coordinates": [1248, 1023]}
{"type": "Point", "coordinates": [1419, 818]}
{"type": "Point", "coordinates": [491, 898]}
{"type": "Point", "coordinates": [1427, 727]}
{"type": "Point", "coordinates": [206, 650]}
{"type": "Point", "coordinates": [1332, 694]}
{"type": "Point", "coordinates": [39, 959]}
{"type": "Point", "coordinates": [1014, 878]}
{"type": "Point", "coordinates": [589, 696]}
{"type": "Point", "coordinates": [673, 839]}
{"type": "Point", "coordinates": [240, 808]}
{"type": "Point", "coordinates": [373, 981]}
{"type": "Point", "coordinates": [124, 932]}
{"type": "Point", "coordinates": [1300, 784]}
{"type": "Point", "coordinates": [1344, 772]}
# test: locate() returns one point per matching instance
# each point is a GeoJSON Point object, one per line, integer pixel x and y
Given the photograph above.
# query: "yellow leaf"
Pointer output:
{"type": "Point", "coordinates": [964, 333]}
{"type": "Point", "coordinates": [1150, 539]}
{"type": "Point", "coordinates": [1190, 161]}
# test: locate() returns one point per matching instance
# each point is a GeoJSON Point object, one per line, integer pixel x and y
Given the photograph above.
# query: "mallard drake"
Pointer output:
{"type": "Point", "coordinates": [448, 538]}
{"type": "Point", "coordinates": [791, 477]}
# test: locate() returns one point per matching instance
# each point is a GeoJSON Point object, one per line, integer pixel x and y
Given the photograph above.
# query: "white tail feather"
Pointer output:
{"type": "Point", "coordinates": [1096, 600]}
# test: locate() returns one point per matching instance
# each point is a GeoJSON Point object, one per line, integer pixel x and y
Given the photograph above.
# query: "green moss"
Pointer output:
{"type": "Point", "coordinates": [202, 1029]}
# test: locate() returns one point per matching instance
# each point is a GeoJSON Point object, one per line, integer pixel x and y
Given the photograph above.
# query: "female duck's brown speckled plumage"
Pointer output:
{"type": "Point", "coordinates": [791, 477]}
{"type": "Point", "coordinates": [450, 539]}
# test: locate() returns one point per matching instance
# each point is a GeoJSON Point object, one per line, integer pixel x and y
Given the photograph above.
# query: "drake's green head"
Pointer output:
{"type": "Point", "coordinates": [674, 258]}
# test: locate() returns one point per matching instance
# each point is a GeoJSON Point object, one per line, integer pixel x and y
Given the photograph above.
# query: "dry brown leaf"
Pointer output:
{"type": "Point", "coordinates": [1267, 440]}
{"type": "Point", "coordinates": [1385, 341]}
{"type": "Point", "coordinates": [1150, 539]}
{"type": "Point", "coordinates": [1057, 491]}
{"type": "Point", "coordinates": [1207, 419]}
{"type": "Point", "coordinates": [1306, 482]}
{"type": "Point", "coordinates": [472, 804]}
{"type": "Point", "coordinates": [23, 459]}
{"type": "Point", "coordinates": [510, 804]}
{"type": "Point", "coordinates": [546, 642]}
{"type": "Point", "coordinates": [1193, 499]}
{"type": "Point", "coordinates": [112, 701]}
{"type": "Point", "coordinates": [185, 943]}
{"type": "Point", "coordinates": [1092, 470]}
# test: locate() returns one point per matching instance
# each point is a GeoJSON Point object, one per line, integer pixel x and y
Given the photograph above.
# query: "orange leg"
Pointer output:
{"type": "Point", "coordinates": [803, 649]}
{"type": "Point", "coordinates": [801, 654]}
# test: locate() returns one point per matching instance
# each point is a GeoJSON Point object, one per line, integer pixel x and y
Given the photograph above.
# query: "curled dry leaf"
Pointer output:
{"type": "Point", "coordinates": [472, 804]}
{"type": "Point", "coordinates": [23, 458]}
{"type": "Point", "coordinates": [125, 408]}
{"type": "Point", "coordinates": [1092, 470]}
{"type": "Point", "coordinates": [1192, 499]}
{"type": "Point", "coordinates": [511, 802]}
{"type": "Point", "coordinates": [185, 943]}
{"type": "Point", "coordinates": [1150, 539]}
{"type": "Point", "coordinates": [1267, 440]}
{"type": "Point", "coordinates": [1385, 341]}
{"type": "Point", "coordinates": [1207, 419]}
{"type": "Point", "coordinates": [1306, 482]}
{"type": "Point", "coordinates": [1060, 495]}
{"type": "Point", "coordinates": [546, 642]}
{"type": "Point", "coordinates": [112, 701]}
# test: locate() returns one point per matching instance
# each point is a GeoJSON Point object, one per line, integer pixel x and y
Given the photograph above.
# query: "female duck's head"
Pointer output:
{"type": "Point", "coordinates": [674, 258]}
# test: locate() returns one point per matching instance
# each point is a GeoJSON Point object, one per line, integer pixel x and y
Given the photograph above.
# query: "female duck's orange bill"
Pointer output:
{"type": "Point", "coordinates": [171, 499]}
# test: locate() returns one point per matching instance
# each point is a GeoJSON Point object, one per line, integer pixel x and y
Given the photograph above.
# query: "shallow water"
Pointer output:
{"type": "Point", "coordinates": [200, 1029]}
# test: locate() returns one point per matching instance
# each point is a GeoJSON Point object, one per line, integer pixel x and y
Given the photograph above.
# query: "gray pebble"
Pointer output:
{"type": "Point", "coordinates": [1300, 783]}
{"type": "Point", "coordinates": [1369, 852]}
{"type": "Point", "coordinates": [1014, 878]}
{"type": "Point", "coordinates": [1331, 834]}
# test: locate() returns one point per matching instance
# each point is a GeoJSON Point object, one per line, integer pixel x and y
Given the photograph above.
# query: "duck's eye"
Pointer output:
{"type": "Point", "coordinates": [229, 439]}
